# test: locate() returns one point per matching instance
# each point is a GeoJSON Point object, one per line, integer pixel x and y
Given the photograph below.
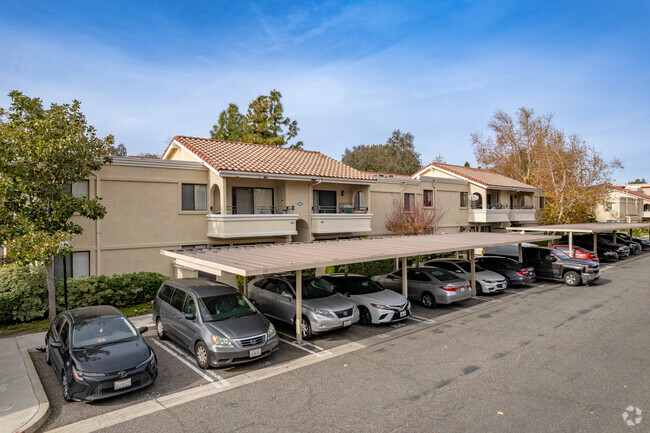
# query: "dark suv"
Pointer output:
{"type": "Point", "coordinates": [552, 264]}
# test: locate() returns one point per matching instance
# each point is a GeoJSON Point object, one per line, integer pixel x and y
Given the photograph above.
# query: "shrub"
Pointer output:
{"type": "Point", "coordinates": [23, 293]}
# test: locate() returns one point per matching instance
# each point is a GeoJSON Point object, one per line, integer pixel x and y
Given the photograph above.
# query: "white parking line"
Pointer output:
{"type": "Point", "coordinates": [483, 298]}
{"type": "Point", "coordinates": [322, 352]}
{"type": "Point", "coordinates": [196, 370]}
{"type": "Point", "coordinates": [422, 319]}
{"type": "Point", "coordinates": [184, 354]}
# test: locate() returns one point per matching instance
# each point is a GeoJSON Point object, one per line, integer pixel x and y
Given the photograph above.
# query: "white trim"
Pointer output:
{"type": "Point", "coordinates": [340, 216]}
{"type": "Point", "coordinates": [156, 163]}
{"type": "Point", "coordinates": [247, 217]}
{"type": "Point", "coordinates": [321, 232]}
{"type": "Point", "coordinates": [251, 234]}
{"type": "Point", "coordinates": [473, 182]}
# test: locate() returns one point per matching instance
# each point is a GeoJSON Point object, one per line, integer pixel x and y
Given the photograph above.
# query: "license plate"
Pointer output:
{"type": "Point", "coordinates": [121, 384]}
{"type": "Point", "coordinates": [462, 289]}
{"type": "Point", "coordinates": [347, 323]}
{"type": "Point", "coordinates": [402, 313]}
{"type": "Point", "coordinates": [255, 352]}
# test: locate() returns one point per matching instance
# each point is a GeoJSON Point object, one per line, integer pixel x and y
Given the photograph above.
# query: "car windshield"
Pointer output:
{"type": "Point", "coordinates": [560, 255]}
{"type": "Point", "coordinates": [355, 285]}
{"type": "Point", "coordinates": [465, 266]}
{"type": "Point", "coordinates": [442, 275]}
{"type": "Point", "coordinates": [312, 287]}
{"type": "Point", "coordinates": [222, 307]}
{"type": "Point", "coordinates": [102, 330]}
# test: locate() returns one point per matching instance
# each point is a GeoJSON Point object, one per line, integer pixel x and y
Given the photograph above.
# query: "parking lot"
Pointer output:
{"type": "Point", "coordinates": [178, 371]}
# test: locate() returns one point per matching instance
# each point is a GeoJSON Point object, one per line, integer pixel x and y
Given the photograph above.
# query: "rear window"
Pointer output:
{"type": "Point", "coordinates": [354, 285]}
{"type": "Point", "coordinates": [165, 293]}
{"type": "Point", "coordinates": [442, 275]}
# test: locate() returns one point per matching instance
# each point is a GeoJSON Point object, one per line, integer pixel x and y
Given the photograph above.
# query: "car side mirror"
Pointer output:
{"type": "Point", "coordinates": [287, 295]}
{"type": "Point", "coordinates": [143, 329]}
{"type": "Point", "coordinates": [458, 271]}
{"type": "Point", "coordinates": [346, 294]}
{"type": "Point", "coordinates": [56, 345]}
{"type": "Point", "coordinates": [190, 316]}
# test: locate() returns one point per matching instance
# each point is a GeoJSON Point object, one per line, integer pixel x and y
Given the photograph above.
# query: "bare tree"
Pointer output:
{"type": "Point", "coordinates": [414, 219]}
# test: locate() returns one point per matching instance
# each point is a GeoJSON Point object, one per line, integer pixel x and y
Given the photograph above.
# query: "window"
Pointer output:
{"type": "Point", "coordinates": [427, 197]}
{"type": "Point", "coordinates": [486, 229]}
{"type": "Point", "coordinates": [177, 299]}
{"type": "Point", "coordinates": [542, 202]}
{"type": "Point", "coordinates": [414, 275]}
{"type": "Point", "coordinates": [463, 199]}
{"type": "Point", "coordinates": [165, 293]}
{"type": "Point", "coordinates": [409, 202]}
{"type": "Point", "coordinates": [78, 189]}
{"type": "Point", "coordinates": [611, 206]}
{"type": "Point", "coordinates": [77, 264]}
{"type": "Point", "coordinates": [359, 200]}
{"type": "Point", "coordinates": [189, 307]}
{"type": "Point", "coordinates": [324, 201]}
{"type": "Point", "coordinates": [64, 333]}
{"type": "Point", "coordinates": [249, 201]}
{"type": "Point", "coordinates": [194, 197]}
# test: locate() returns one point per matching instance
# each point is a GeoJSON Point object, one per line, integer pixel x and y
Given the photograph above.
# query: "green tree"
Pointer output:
{"type": "Point", "coordinates": [397, 156]}
{"type": "Point", "coordinates": [264, 123]}
{"type": "Point", "coordinates": [230, 126]}
{"type": "Point", "coordinates": [637, 181]}
{"type": "Point", "coordinates": [43, 152]}
{"type": "Point", "coordinates": [119, 150]}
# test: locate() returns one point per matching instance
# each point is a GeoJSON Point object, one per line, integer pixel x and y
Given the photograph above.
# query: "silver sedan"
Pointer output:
{"type": "Point", "coordinates": [428, 285]}
{"type": "Point", "coordinates": [487, 281]}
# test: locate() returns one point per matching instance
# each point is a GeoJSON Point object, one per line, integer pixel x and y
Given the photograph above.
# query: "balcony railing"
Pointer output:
{"type": "Point", "coordinates": [258, 210]}
{"type": "Point", "coordinates": [342, 208]}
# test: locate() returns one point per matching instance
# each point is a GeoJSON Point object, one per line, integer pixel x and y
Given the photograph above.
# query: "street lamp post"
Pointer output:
{"type": "Point", "coordinates": [65, 245]}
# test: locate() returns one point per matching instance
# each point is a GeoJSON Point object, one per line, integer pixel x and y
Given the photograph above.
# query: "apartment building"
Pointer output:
{"type": "Point", "coordinates": [625, 203]}
{"type": "Point", "coordinates": [216, 193]}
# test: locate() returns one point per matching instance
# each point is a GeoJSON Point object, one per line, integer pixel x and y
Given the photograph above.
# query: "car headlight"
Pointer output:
{"type": "Point", "coordinates": [380, 306]}
{"type": "Point", "coordinates": [146, 361]}
{"type": "Point", "coordinates": [271, 332]}
{"type": "Point", "coordinates": [219, 341]}
{"type": "Point", "coordinates": [324, 313]}
{"type": "Point", "coordinates": [79, 375]}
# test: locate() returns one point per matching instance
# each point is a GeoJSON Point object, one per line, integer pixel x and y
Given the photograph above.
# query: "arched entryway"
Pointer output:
{"type": "Point", "coordinates": [304, 232]}
{"type": "Point", "coordinates": [215, 204]}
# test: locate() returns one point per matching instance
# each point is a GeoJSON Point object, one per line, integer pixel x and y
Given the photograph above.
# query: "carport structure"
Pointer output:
{"type": "Point", "coordinates": [253, 260]}
{"type": "Point", "coordinates": [585, 228]}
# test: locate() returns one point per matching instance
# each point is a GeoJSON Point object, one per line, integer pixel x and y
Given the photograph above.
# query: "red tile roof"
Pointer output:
{"type": "Point", "coordinates": [260, 158]}
{"type": "Point", "coordinates": [484, 177]}
{"type": "Point", "coordinates": [639, 194]}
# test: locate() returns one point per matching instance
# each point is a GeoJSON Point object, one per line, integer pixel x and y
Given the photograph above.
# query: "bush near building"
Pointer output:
{"type": "Point", "coordinates": [23, 291]}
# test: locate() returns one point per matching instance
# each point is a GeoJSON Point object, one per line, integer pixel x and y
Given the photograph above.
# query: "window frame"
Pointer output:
{"type": "Point", "coordinates": [194, 194]}
{"type": "Point", "coordinates": [464, 198]}
{"type": "Point", "coordinates": [409, 205]}
{"type": "Point", "coordinates": [429, 193]}
{"type": "Point", "coordinates": [71, 269]}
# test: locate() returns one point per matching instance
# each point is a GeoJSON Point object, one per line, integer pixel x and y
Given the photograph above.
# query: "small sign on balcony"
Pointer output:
{"type": "Point", "coordinates": [473, 197]}
{"type": "Point", "coordinates": [300, 203]}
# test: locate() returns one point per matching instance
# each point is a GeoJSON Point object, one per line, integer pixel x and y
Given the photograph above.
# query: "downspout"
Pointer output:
{"type": "Point", "coordinates": [98, 231]}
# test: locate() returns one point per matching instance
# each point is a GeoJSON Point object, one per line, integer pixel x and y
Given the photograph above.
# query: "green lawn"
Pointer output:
{"type": "Point", "coordinates": [15, 329]}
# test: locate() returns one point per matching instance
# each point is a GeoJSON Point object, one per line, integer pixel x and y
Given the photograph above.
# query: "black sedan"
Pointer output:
{"type": "Point", "coordinates": [96, 352]}
{"type": "Point", "coordinates": [517, 274]}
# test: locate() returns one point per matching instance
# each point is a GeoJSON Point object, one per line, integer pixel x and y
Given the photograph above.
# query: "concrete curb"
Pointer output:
{"type": "Point", "coordinates": [43, 411]}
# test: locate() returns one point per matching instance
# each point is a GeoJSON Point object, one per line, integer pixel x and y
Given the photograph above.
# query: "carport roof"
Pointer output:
{"type": "Point", "coordinates": [582, 228]}
{"type": "Point", "coordinates": [266, 259]}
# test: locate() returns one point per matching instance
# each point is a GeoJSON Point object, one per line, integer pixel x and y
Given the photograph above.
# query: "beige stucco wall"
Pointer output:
{"type": "Point", "coordinates": [625, 205]}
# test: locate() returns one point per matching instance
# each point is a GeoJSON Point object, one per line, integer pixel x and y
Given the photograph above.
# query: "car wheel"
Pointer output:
{"type": "Point", "coordinates": [48, 361]}
{"type": "Point", "coordinates": [305, 328]}
{"type": "Point", "coordinates": [160, 329]}
{"type": "Point", "coordinates": [479, 289]}
{"type": "Point", "coordinates": [571, 278]}
{"type": "Point", "coordinates": [428, 300]}
{"type": "Point", "coordinates": [508, 283]}
{"type": "Point", "coordinates": [66, 389]}
{"type": "Point", "coordinates": [365, 318]}
{"type": "Point", "coordinates": [201, 354]}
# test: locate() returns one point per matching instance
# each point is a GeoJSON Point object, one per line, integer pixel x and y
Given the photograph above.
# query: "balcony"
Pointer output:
{"type": "Point", "coordinates": [523, 215]}
{"type": "Point", "coordinates": [488, 215]}
{"type": "Point", "coordinates": [267, 221]}
{"type": "Point", "coordinates": [349, 220]}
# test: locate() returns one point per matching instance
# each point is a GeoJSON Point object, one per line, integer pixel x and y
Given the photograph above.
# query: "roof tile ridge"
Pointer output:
{"type": "Point", "coordinates": [267, 146]}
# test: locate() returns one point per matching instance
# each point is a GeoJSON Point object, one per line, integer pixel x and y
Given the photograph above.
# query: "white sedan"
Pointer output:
{"type": "Point", "coordinates": [376, 304]}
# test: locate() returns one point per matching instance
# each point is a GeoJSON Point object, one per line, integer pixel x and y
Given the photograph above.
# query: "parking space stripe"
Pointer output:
{"type": "Point", "coordinates": [483, 298]}
{"type": "Point", "coordinates": [422, 319]}
{"type": "Point", "coordinates": [175, 355]}
{"type": "Point", "coordinates": [184, 354]}
{"type": "Point", "coordinates": [323, 352]}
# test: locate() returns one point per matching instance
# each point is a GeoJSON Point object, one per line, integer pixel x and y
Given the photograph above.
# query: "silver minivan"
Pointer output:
{"type": "Point", "coordinates": [322, 308]}
{"type": "Point", "coordinates": [214, 321]}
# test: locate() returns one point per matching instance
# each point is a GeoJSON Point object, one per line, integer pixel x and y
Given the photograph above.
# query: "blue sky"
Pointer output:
{"type": "Point", "coordinates": [350, 72]}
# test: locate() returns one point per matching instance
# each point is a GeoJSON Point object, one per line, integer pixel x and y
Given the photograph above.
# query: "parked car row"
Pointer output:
{"type": "Point", "coordinates": [96, 352]}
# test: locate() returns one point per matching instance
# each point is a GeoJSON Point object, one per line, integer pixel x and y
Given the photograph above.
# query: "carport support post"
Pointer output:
{"type": "Point", "coordinates": [417, 261]}
{"type": "Point", "coordinates": [571, 244]}
{"type": "Point", "coordinates": [520, 251]}
{"type": "Point", "coordinates": [346, 269]}
{"type": "Point", "coordinates": [404, 279]}
{"type": "Point", "coordinates": [595, 244]}
{"type": "Point", "coordinates": [614, 236]}
{"type": "Point", "coordinates": [299, 306]}
{"type": "Point", "coordinates": [472, 268]}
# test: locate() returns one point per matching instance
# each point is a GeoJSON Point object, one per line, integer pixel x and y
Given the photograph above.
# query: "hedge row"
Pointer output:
{"type": "Point", "coordinates": [23, 291]}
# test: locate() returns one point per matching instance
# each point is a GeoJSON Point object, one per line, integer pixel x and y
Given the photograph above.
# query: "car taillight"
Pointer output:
{"type": "Point", "coordinates": [450, 288]}
{"type": "Point", "coordinates": [153, 303]}
{"type": "Point", "coordinates": [522, 272]}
